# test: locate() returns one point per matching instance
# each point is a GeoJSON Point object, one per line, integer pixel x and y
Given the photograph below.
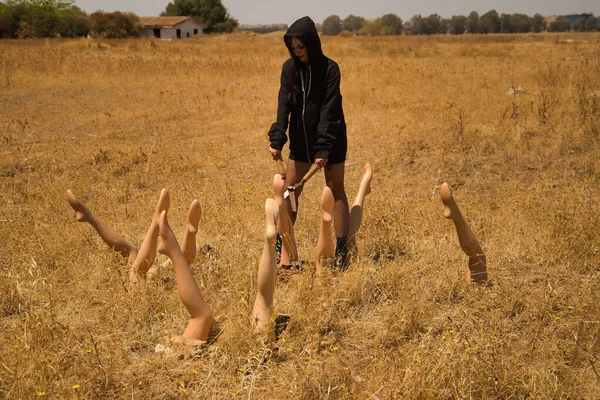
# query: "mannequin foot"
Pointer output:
{"type": "Point", "coordinates": [365, 182]}
{"type": "Point", "coordinates": [164, 202]}
{"type": "Point", "coordinates": [168, 243]}
{"type": "Point", "coordinates": [449, 203]}
{"type": "Point", "coordinates": [327, 204]}
{"type": "Point", "coordinates": [82, 214]}
{"type": "Point", "coordinates": [194, 216]}
{"type": "Point", "coordinates": [279, 185]}
{"type": "Point", "coordinates": [271, 213]}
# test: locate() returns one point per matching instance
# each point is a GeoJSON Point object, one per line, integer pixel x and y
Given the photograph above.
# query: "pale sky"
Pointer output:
{"type": "Point", "coordinates": [286, 12]}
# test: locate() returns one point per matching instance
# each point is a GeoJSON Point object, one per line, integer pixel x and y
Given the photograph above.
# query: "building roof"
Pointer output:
{"type": "Point", "coordinates": [165, 21]}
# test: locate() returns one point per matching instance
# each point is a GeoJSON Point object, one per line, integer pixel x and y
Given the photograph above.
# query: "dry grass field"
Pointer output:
{"type": "Point", "coordinates": [511, 122]}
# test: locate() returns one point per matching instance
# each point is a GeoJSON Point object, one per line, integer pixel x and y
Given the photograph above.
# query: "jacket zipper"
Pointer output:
{"type": "Point", "coordinates": [304, 96]}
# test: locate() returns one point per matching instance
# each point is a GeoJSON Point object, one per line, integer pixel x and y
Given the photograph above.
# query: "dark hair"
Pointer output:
{"type": "Point", "coordinates": [292, 83]}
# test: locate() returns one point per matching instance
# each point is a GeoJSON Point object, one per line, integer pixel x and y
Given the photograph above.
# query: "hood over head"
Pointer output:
{"type": "Point", "coordinates": [305, 31]}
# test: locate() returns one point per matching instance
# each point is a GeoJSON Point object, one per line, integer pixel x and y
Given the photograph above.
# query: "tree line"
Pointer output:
{"type": "Point", "coordinates": [62, 18]}
{"type": "Point", "coordinates": [490, 22]}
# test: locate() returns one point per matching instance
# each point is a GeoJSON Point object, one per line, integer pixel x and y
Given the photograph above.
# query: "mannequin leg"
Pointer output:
{"type": "Point", "coordinates": [147, 252]}
{"type": "Point", "coordinates": [201, 315]}
{"type": "Point", "coordinates": [267, 270]}
{"type": "Point", "coordinates": [477, 262]}
{"type": "Point", "coordinates": [295, 172]}
{"type": "Point", "coordinates": [111, 237]}
{"type": "Point", "coordinates": [325, 247]}
{"type": "Point", "coordinates": [357, 208]}
{"type": "Point", "coordinates": [289, 252]}
{"type": "Point", "coordinates": [188, 247]}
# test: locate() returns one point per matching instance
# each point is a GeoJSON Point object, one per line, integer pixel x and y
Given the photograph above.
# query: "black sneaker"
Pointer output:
{"type": "Point", "coordinates": [341, 253]}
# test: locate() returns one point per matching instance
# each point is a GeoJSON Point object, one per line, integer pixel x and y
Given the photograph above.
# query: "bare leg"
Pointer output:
{"type": "Point", "coordinates": [477, 262]}
{"type": "Point", "coordinates": [357, 208]}
{"type": "Point", "coordinates": [111, 237]}
{"type": "Point", "coordinates": [325, 247]}
{"type": "Point", "coordinates": [289, 252]}
{"type": "Point", "coordinates": [188, 247]}
{"type": "Point", "coordinates": [201, 315]}
{"type": "Point", "coordinates": [147, 252]}
{"type": "Point", "coordinates": [267, 270]}
{"type": "Point", "coordinates": [334, 177]}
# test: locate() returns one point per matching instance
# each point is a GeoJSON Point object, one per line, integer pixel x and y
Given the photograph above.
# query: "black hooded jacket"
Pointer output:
{"type": "Point", "coordinates": [310, 102]}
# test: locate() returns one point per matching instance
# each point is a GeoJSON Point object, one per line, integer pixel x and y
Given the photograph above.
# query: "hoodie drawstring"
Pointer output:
{"type": "Point", "coordinates": [305, 94]}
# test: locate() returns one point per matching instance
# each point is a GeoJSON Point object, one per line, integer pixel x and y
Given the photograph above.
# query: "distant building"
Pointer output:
{"type": "Point", "coordinates": [171, 28]}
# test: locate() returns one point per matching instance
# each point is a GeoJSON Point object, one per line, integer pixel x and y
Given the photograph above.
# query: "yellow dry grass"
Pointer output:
{"type": "Point", "coordinates": [511, 122]}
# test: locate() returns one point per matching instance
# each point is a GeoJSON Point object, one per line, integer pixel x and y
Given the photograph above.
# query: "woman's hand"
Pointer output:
{"type": "Point", "coordinates": [276, 154]}
{"type": "Point", "coordinates": [321, 162]}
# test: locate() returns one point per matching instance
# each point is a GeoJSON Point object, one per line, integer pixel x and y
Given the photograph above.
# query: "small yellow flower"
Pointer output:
{"type": "Point", "coordinates": [448, 352]}
{"type": "Point", "coordinates": [75, 387]}
{"type": "Point", "coordinates": [570, 307]}
{"type": "Point", "coordinates": [140, 383]}
{"type": "Point", "coordinates": [466, 343]}
{"type": "Point", "coordinates": [452, 331]}
{"type": "Point", "coordinates": [41, 394]}
{"type": "Point", "coordinates": [195, 372]}
{"type": "Point", "coordinates": [557, 318]}
{"type": "Point", "coordinates": [335, 348]}
{"type": "Point", "coordinates": [149, 361]}
{"type": "Point", "coordinates": [16, 346]}
{"type": "Point", "coordinates": [182, 390]}
{"type": "Point", "coordinates": [444, 337]}
{"type": "Point", "coordinates": [88, 350]}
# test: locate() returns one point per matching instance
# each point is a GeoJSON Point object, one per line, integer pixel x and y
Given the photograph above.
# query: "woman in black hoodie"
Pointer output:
{"type": "Point", "coordinates": [310, 103]}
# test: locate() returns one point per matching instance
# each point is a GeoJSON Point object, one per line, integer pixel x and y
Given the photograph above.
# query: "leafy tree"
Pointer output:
{"type": "Point", "coordinates": [444, 26]}
{"type": "Point", "coordinates": [211, 13]}
{"type": "Point", "coordinates": [521, 23]}
{"type": "Point", "coordinates": [75, 22]}
{"type": "Point", "coordinates": [490, 22]}
{"type": "Point", "coordinates": [416, 25]}
{"type": "Point", "coordinates": [408, 27]}
{"type": "Point", "coordinates": [507, 23]}
{"type": "Point", "coordinates": [332, 25]}
{"type": "Point", "coordinates": [591, 24]}
{"type": "Point", "coordinates": [372, 28]}
{"type": "Point", "coordinates": [115, 25]}
{"type": "Point", "coordinates": [352, 23]}
{"type": "Point", "coordinates": [457, 24]}
{"type": "Point", "coordinates": [473, 24]}
{"type": "Point", "coordinates": [5, 21]}
{"type": "Point", "coordinates": [391, 24]}
{"type": "Point", "coordinates": [42, 18]}
{"type": "Point", "coordinates": [560, 24]}
{"type": "Point", "coordinates": [538, 23]}
{"type": "Point", "coordinates": [588, 23]}
{"type": "Point", "coordinates": [579, 25]}
{"type": "Point", "coordinates": [432, 24]}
